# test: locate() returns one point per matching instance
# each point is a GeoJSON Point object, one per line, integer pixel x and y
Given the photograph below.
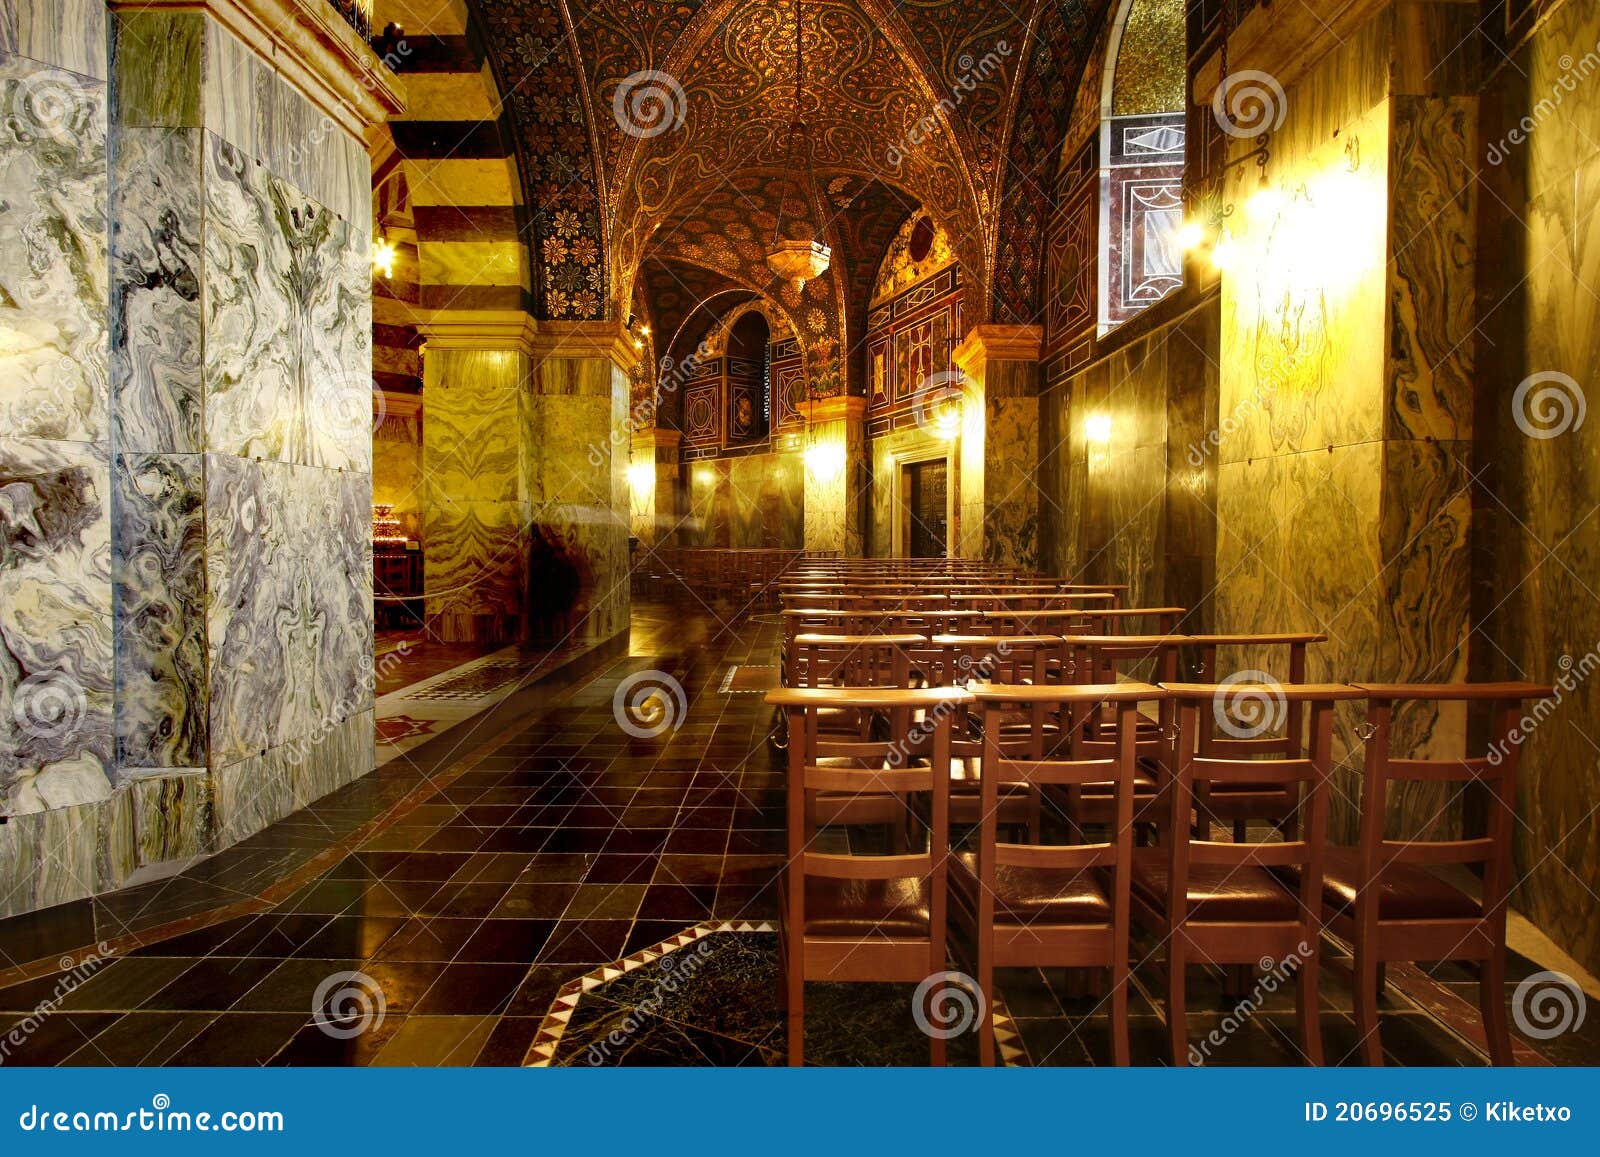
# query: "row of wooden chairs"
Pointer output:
{"type": "Point", "coordinates": [1025, 903]}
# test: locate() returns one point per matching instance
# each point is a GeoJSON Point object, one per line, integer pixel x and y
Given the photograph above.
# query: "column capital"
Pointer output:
{"type": "Point", "coordinates": [846, 408]}
{"type": "Point", "coordinates": [999, 343]}
{"type": "Point", "coordinates": [312, 47]}
{"type": "Point", "coordinates": [478, 329]}
{"type": "Point", "coordinates": [588, 339]}
{"type": "Point", "coordinates": [656, 438]}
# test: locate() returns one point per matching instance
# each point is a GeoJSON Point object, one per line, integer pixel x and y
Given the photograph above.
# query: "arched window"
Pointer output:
{"type": "Point", "coordinates": [749, 403]}
{"type": "Point", "coordinates": [1141, 151]}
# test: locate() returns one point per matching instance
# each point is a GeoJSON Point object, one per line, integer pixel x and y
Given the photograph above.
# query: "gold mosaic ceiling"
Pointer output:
{"type": "Point", "coordinates": [636, 118]}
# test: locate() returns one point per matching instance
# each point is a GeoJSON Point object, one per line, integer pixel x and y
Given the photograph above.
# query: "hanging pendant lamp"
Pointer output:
{"type": "Point", "coordinates": [797, 261]}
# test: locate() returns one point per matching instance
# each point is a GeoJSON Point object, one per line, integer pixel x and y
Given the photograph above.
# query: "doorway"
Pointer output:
{"type": "Point", "coordinates": [926, 519]}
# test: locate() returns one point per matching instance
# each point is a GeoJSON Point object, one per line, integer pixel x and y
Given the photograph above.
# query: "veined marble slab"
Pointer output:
{"type": "Point", "coordinates": [155, 334]}
{"type": "Point", "coordinates": [288, 352]}
{"type": "Point", "coordinates": [289, 562]}
{"type": "Point", "coordinates": [68, 34]}
{"type": "Point", "coordinates": [53, 234]}
{"type": "Point", "coordinates": [55, 625]}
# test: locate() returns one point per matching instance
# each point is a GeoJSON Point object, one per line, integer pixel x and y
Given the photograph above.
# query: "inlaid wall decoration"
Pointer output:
{"type": "Point", "coordinates": [1144, 211]}
{"type": "Point", "coordinates": [702, 404]}
{"type": "Point", "coordinates": [912, 333]}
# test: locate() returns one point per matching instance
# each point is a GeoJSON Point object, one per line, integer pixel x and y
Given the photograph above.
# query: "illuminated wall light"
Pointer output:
{"type": "Point", "coordinates": [383, 255]}
{"type": "Point", "coordinates": [1191, 236]}
{"type": "Point", "coordinates": [825, 460]}
{"type": "Point", "coordinates": [1097, 428]}
{"type": "Point", "coordinates": [1225, 254]}
{"type": "Point", "coordinates": [642, 477]}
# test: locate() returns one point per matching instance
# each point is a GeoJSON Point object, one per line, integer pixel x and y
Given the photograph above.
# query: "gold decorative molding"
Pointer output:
{"type": "Point", "coordinates": [312, 47]}
{"type": "Point", "coordinates": [470, 329]}
{"type": "Point", "coordinates": [841, 409]}
{"type": "Point", "coordinates": [656, 438]}
{"type": "Point", "coordinates": [998, 343]}
{"type": "Point", "coordinates": [588, 339]}
{"type": "Point", "coordinates": [400, 405]}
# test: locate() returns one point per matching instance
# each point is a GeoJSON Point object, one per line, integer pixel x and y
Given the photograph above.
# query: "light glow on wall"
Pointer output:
{"type": "Point", "coordinates": [1097, 428]}
{"type": "Point", "coordinates": [825, 460]}
{"type": "Point", "coordinates": [641, 477]}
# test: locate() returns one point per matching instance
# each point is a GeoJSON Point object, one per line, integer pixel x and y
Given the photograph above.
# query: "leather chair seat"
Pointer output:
{"type": "Point", "coordinates": [1041, 896]}
{"type": "Point", "coordinates": [1408, 892]}
{"type": "Point", "coordinates": [1223, 894]}
{"type": "Point", "coordinates": [858, 909]}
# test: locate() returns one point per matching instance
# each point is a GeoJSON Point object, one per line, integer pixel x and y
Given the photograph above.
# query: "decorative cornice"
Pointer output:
{"type": "Point", "coordinates": [1287, 41]}
{"type": "Point", "coordinates": [839, 409]}
{"type": "Point", "coordinates": [998, 343]}
{"type": "Point", "coordinates": [465, 329]}
{"type": "Point", "coordinates": [312, 47]}
{"type": "Point", "coordinates": [400, 405]}
{"type": "Point", "coordinates": [588, 339]}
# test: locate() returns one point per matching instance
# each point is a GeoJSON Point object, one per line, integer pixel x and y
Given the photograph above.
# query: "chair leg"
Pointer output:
{"type": "Point", "coordinates": [1177, 1006]}
{"type": "Point", "coordinates": [986, 1047]}
{"type": "Point", "coordinates": [1310, 1009]}
{"type": "Point", "coordinates": [794, 1002]}
{"type": "Point", "coordinates": [1119, 1012]}
{"type": "Point", "coordinates": [1366, 982]}
{"type": "Point", "coordinates": [1492, 1002]}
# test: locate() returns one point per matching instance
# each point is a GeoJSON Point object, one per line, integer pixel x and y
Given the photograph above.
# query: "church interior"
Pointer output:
{"type": "Point", "coordinates": [776, 532]}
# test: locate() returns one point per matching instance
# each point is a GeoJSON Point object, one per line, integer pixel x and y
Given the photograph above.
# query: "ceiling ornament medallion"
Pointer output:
{"type": "Point", "coordinates": [798, 260]}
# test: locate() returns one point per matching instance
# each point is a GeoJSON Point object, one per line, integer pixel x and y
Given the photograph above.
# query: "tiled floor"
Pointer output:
{"type": "Point", "coordinates": [562, 845]}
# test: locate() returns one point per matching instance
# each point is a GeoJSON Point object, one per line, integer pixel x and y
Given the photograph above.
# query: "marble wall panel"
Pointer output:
{"type": "Point", "coordinates": [287, 303]}
{"type": "Point", "coordinates": [172, 815]}
{"type": "Point", "coordinates": [1536, 538]}
{"type": "Point", "coordinates": [68, 34]}
{"type": "Point", "coordinates": [157, 399]}
{"type": "Point", "coordinates": [56, 681]}
{"type": "Point", "coordinates": [158, 556]}
{"type": "Point", "coordinates": [53, 232]}
{"type": "Point", "coordinates": [289, 563]}
{"type": "Point", "coordinates": [1011, 477]}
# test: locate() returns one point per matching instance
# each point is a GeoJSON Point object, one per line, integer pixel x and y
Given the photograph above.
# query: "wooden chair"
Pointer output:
{"type": "Point", "coordinates": [1034, 905]}
{"type": "Point", "coordinates": [1216, 903]}
{"type": "Point", "coordinates": [1224, 734]}
{"type": "Point", "coordinates": [1380, 896]}
{"type": "Point", "coordinates": [864, 918]}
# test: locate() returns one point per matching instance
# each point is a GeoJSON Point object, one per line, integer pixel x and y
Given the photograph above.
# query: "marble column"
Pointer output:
{"type": "Point", "coordinates": [186, 464]}
{"type": "Point", "coordinates": [654, 487]}
{"type": "Point", "coordinates": [1347, 353]}
{"type": "Point", "coordinates": [575, 472]}
{"type": "Point", "coordinates": [998, 488]}
{"type": "Point", "coordinates": [836, 489]}
{"type": "Point", "coordinates": [476, 373]}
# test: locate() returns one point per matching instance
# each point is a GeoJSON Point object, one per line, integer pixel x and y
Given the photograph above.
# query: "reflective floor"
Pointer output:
{"type": "Point", "coordinates": [503, 864]}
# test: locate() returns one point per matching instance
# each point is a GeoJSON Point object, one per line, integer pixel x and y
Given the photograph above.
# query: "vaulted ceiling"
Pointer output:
{"type": "Point", "coordinates": [656, 130]}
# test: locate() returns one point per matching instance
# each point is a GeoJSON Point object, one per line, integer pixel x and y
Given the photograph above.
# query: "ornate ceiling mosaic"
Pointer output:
{"type": "Point", "coordinates": [656, 128]}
